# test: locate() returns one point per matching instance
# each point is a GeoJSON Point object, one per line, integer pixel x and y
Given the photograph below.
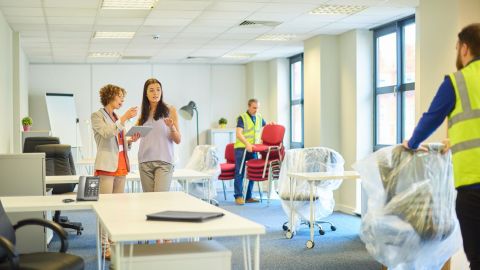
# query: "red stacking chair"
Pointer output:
{"type": "Point", "coordinates": [272, 151]}
{"type": "Point", "coordinates": [227, 170]}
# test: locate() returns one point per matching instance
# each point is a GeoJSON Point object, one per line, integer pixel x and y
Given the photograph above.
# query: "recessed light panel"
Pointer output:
{"type": "Point", "coordinates": [113, 34]}
{"type": "Point", "coordinates": [337, 9]}
{"type": "Point", "coordinates": [128, 4]}
{"type": "Point", "coordinates": [104, 54]}
{"type": "Point", "coordinates": [277, 37]}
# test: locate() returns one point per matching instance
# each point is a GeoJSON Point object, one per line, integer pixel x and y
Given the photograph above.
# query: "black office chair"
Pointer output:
{"type": "Point", "coordinates": [9, 259]}
{"type": "Point", "coordinates": [58, 161]}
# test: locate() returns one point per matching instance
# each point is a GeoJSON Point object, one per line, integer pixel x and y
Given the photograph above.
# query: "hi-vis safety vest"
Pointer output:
{"type": "Point", "coordinates": [251, 131]}
{"type": "Point", "coordinates": [464, 125]}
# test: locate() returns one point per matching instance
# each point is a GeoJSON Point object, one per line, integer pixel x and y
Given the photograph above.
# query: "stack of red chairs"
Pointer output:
{"type": "Point", "coordinates": [267, 168]}
{"type": "Point", "coordinates": [227, 170]}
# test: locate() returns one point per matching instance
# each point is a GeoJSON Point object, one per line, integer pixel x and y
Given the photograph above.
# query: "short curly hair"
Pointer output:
{"type": "Point", "coordinates": [108, 93]}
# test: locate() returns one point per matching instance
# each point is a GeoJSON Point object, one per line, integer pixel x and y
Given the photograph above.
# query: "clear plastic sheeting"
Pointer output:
{"type": "Point", "coordinates": [317, 159]}
{"type": "Point", "coordinates": [204, 159]}
{"type": "Point", "coordinates": [410, 223]}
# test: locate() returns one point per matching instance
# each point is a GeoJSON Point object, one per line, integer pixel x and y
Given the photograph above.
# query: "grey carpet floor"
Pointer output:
{"type": "Point", "coordinates": [338, 250]}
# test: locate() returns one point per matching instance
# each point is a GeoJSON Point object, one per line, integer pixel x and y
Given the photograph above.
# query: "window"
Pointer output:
{"type": "Point", "coordinates": [296, 101]}
{"type": "Point", "coordinates": [394, 51]}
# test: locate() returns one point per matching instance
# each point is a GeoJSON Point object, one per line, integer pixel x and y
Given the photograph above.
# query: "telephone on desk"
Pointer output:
{"type": "Point", "coordinates": [88, 187]}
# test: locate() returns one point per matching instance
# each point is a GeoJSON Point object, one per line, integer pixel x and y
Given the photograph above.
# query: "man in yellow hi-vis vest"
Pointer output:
{"type": "Point", "coordinates": [248, 131]}
{"type": "Point", "coordinates": [458, 98]}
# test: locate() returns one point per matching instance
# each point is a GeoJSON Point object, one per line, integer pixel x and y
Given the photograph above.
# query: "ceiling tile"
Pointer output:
{"type": "Point", "coordinates": [20, 3]}
{"type": "Point", "coordinates": [21, 27]}
{"type": "Point", "coordinates": [70, 12]}
{"type": "Point", "coordinates": [70, 28]}
{"type": "Point", "coordinates": [174, 14]}
{"type": "Point", "coordinates": [120, 21]}
{"type": "Point", "coordinates": [123, 13]}
{"type": "Point", "coordinates": [288, 8]}
{"type": "Point", "coordinates": [166, 21]}
{"type": "Point", "coordinates": [71, 20]}
{"type": "Point", "coordinates": [22, 12]}
{"type": "Point", "coordinates": [236, 6]}
{"type": "Point", "coordinates": [25, 20]}
{"type": "Point", "coordinates": [115, 28]}
{"type": "Point", "coordinates": [72, 3]}
{"type": "Point", "coordinates": [181, 5]}
{"type": "Point", "coordinates": [160, 29]}
{"type": "Point", "coordinates": [229, 15]}
{"type": "Point", "coordinates": [39, 59]}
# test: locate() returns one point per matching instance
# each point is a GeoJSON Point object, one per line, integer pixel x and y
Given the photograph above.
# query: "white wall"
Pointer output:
{"type": "Point", "coordinates": [258, 86]}
{"type": "Point", "coordinates": [6, 85]}
{"type": "Point", "coordinates": [218, 90]}
{"type": "Point", "coordinates": [279, 95]}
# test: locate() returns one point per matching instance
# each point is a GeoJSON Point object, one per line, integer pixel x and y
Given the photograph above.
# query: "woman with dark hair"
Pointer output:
{"type": "Point", "coordinates": [155, 155]}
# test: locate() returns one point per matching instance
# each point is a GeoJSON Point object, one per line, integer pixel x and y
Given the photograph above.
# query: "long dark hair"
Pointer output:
{"type": "Point", "coordinates": [162, 108]}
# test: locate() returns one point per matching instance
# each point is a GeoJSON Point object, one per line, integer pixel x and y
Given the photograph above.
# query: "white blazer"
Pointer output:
{"type": "Point", "coordinates": [105, 132]}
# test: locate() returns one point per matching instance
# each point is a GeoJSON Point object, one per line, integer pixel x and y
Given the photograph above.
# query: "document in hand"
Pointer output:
{"type": "Point", "coordinates": [143, 130]}
{"type": "Point", "coordinates": [184, 216]}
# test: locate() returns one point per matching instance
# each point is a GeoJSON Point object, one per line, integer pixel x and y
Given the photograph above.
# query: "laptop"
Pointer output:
{"type": "Point", "coordinates": [184, 216]}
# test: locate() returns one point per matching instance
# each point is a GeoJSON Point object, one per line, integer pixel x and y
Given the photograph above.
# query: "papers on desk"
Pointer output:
{"type": "Point", "coordinates": [183, 216]}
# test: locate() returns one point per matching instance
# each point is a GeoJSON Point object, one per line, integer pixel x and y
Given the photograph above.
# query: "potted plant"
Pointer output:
{"type": "Point", "coordinates": [222, 122]}
{"type": "Point", "coordinates": [27, 123]}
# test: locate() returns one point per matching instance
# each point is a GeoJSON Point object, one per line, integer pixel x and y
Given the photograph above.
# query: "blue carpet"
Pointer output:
{"type": "Point", "coordinates": [339, 250]}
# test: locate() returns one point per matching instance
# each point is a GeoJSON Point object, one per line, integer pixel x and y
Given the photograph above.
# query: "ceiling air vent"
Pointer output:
{"type": "Point", "coordinates": [259, 23]}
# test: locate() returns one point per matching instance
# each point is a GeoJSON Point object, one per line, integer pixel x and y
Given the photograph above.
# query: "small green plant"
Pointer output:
{"type": "Point", "coordinates": [27, 121]}
{"type": "Point", "coordinates": [222, 121]}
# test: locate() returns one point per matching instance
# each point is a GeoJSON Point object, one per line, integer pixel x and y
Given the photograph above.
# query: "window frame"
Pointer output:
{"type": "Point", "coordinates": [400, 88]}
{"type": "Point", "coordinates": [292, 60]}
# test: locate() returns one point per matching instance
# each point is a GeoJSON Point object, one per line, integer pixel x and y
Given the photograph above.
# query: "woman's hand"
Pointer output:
{"type": "Point", "coordinates": [168, 121]}
{"type": "Point", "coordinates": [135, 137]}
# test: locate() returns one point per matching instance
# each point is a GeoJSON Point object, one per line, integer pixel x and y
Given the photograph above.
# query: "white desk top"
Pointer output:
{"type": "Point", "coordinates": [42, 203]}
{"type": "Point", "coordinates": [320, 176]}
{"type": "Point", "coordinates": [178, 174]}
{"type": "Point", "coordinates": [124, 217]}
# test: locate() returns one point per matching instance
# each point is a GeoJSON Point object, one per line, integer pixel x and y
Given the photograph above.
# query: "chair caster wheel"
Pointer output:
{"type": "Point", "coordinates": [333, 228]}
{"type": "Point", "coordinates": [285, 227]}
{"type": "Point", "coordinates": [289, 234]}
{"type": "Point", "coordinates": [310, 244]}
{"type": "Point", "coordinates": [79, 233]}
{"type": "Point", "coordinates": [321, 232]}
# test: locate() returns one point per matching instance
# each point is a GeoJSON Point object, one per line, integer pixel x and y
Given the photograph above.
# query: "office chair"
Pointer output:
{"type": "Point", "coordinates": [227, 169]}
{"type": "Point", "coordinates": [204, 159]}
{"type": "Point", "coordinates": [9, 259]}
{"type": "Point", "coordinates": [315, 159]}
{"type": "Point", "coordinates": [267, 168]}
{"type": "Point", "coordinates": [58, 161]}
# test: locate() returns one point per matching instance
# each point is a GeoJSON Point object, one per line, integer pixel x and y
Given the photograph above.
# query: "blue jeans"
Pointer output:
{"type": "Point", "coordinates": [238, 184]}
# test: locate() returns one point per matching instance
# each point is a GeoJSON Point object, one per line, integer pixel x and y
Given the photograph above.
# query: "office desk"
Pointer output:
{"type": "Point", "coordinates": [313, 177]}
{"type": "Point", "coordinates": [123, 216]}
{"type": "Point", "coordinates": [181, 175]}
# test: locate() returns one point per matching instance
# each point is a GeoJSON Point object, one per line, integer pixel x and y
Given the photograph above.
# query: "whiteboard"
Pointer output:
{"type": "Point", "coordinates": [63, 119]}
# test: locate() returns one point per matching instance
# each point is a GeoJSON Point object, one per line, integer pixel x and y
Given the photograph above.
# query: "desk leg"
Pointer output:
{"type": "Point", "coordinates": [249, 255]}
{"type": "Point", "coordinates": [118, 252]}
{"type": "Point", "coordinates": [99, 248]}
{"type": "Point", "coordinates": [291, 228]}
{"type": "Point", "coordinates": [245, 260]}
{"type": "Point", "coordinates": [312, 215]}
{"type": "Point", "coordinates": [208, 190]}
{"type": "Point", "coordinates": [257, 253]}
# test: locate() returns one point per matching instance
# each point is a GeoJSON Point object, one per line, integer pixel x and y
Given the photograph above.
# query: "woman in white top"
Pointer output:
{"type": "Point", "coordinates": [155, 155]}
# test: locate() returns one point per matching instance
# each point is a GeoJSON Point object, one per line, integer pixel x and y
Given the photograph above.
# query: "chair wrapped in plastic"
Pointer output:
{"type": "Point", "coordinates": [410, 222]}
{"type": "Point", "coordinates": [316, 159]}
{"type": "Point", "coordinates": [204, 159]}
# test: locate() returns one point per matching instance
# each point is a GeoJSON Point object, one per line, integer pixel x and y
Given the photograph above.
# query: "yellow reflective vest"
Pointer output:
{"type": "Point", "coordinates": [464, 125]}
{"type": "Point", "coordinates": [251, 131]}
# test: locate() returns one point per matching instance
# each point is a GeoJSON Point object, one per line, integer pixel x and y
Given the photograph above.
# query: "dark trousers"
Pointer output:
{"type": "Point", "coordinates": [468, 213]}
{"type": "Point", "coordinates": [238, 184]}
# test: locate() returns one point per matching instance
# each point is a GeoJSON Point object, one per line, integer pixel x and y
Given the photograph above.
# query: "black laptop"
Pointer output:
{"type": "Point", "coordinates": [184, 216]}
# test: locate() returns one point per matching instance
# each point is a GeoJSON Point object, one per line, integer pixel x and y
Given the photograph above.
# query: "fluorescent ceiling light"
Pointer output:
{"type": "Point", "coordinates": [337, 9]}
{"type": "Point", "coordinates": [238, 55]}
{"type": "Point", "coordinates": [277, 37]}
{"type": "Point", "coordinates": [104, 54]}
{"type": "Point", "coordinates": [128, 4]}
{"type": "Point", "coordinates": [113, 34]}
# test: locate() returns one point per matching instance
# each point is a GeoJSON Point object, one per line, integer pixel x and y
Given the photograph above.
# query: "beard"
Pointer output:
{"type": "Point", "coordinates": [459, 63]}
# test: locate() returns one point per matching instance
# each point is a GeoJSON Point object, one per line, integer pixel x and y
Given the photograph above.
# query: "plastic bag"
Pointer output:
{"type": "Point", "coordinates": [316, 159]}
{"type": "Point", "coordinates": [411, 208]}
{"type": "Point", "coordinates": [204, 159]}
